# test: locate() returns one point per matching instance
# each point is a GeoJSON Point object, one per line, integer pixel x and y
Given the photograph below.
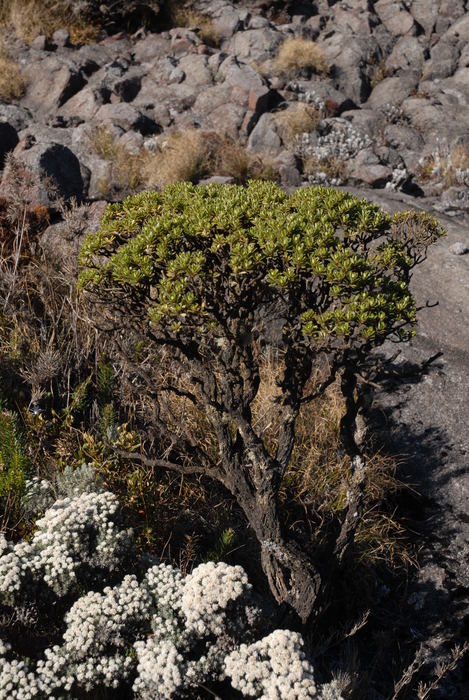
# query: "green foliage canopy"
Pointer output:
{"type": "Point", "coordinates": [338, 261]}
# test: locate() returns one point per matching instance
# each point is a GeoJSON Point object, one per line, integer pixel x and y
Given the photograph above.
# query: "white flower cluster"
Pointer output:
{"type": "Point", "coordinates": [308, 96]}
{"type": "Point", "coordinates": [394, 114]}
{"type": "Point", "coordinates": [4, 647]}
{"type": "Point", "coordinates": [207, 604]}
{"type": "Point", "coordinates": [462, 176]}
{"type": "Point", "coordinates": [73, 532]}
{"type": "Point", "coordinates": [17, 682]}
{"type": "Point", "coordinates": [100, 630]}
{"type": "Point", "coordinates": [166, 634]}
{"type": "Point", "coordinates": [342, 142]}
{"type": "Point", "coordinates": [207, 595]}
{"type": "Point", "coordinates": [275, 668]}
{"type": "Point", "coordinates": [398, 179]}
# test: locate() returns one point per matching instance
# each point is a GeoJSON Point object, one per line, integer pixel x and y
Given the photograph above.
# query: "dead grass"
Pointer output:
{"type": "Point", "coordinates": [191, 155]}
{"type": "Point", "coordinates": [333, 168]}
{"type": "Point", "coordinates": [297, 55]}
{"type": "Point", "coordinates": [379, 72]}
{"type": "Point", "coordinates": [12, 82]}
{"type": "Point", "coordinates": [31, 18]}
{"type": "Point", "coordinates": [184, 156]}
{"type": "Point", "coordinates": [127, 175]}
{"type": "Point", "coordinates": [314, 489]}
{"type": "Point", "coordinates": [299, 118]}
{"type": "Point", "coordinates": [444, 164]}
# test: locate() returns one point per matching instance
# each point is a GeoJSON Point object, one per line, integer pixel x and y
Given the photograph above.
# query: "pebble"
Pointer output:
{"type": "Point", "coordinates": [459, 248]}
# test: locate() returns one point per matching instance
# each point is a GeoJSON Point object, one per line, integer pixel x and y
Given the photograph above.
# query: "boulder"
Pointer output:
{"type": "Point", "coordinates": [227, 20]}
{"type": "Point", "coordinates": [368, 121]}
{"type": "Point", "coordinates": [57, 164]}
{"type": "Point", "coordinates": [61, 37]}
{"type": "Point", "coordinates": [443, 61]}
{"type": "Point", "coordinates": [248, 87]}
{"type": "Point", "coordinates": [51, 82]}
{"type": "Point", "coordinates": [423, 115]}
{"type": "Point", "coordinates": [91, 57]}
{"type": "Point", "coordinates": [211, 98]}
{"type": "Point", "coordinates": [425, 12]}
{"type": "Point", "coordinates": [132, 142]}
{"type": "Point", "coordinates": [454, 201]}
{"type": "Point", "coordinates": [391, 91]}
{"type": "Point", "coordinates": [40, 43]}
{"type": "Point", "coordinates": [18, 116]}
{"type": "Point", "coordinates": [175, 98]}
{"type": "Point", "coordinates": [395, 17]}
{"type": "Point", "coordinates": [84, 104]}
{"type": "Point", "coordinates": [349, 63]}
{"type": "Point", "coordinates": [101, 178]}
{"type": "Point", "coordinates": [449, 11]}
{"type": "Point", "coordinates": [62, 241]}
{"type": "Point", "coordinates": [288, 171]}
{"type": "Point", "coordinates": [366, 168]}
{"type": "Point", "coordinates": [254, 45]}
{"type": "Point", "coordinates": [404, 138]}
{"type": "Point", "coordinates": [407, 55]}
{"type": "Point", "coordinates": [183, 40]}
{"type": "Point", "coordinates": [459, 31]}
{"type": "Point", "coordinates": [264, 137]}
{"type": "Point", "coordinates": [151, 47]}
{"type": "Point", "coordinates": [227, 118]}
{"type": "Point", "coordinates": [196, 70]}
{"type": "Point", "coordinates": [127, 117]}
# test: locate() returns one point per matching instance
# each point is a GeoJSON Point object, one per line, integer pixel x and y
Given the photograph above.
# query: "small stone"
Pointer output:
{"type": "Point", "coordinates": [217, 180]}
{"type": "Point", "coordinates": [39, 43]}
{"type": "Point", "coordinates": [61, 37]}
{"type": "Point", "coordinates": [459, 248]}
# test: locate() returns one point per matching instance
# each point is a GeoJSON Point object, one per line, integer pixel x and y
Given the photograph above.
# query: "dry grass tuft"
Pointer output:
{"type": "Point", "coordinates": [299, 118]}
{"type": "Point", "coordinates": [127, 167]}
{"type": "Point", "coordinates": [314, 490]}
{"type": "Point", "coordinates": [333, 168]}
{"type": "Point", "coordinates": [445, 165]}
{"type": "Point", "coordinates": [12, 82]}
{"type": "Point", "coordinates": [31, 18]}
{"type": "Point", "coordinates": [300, 56]}
{"type": "Point", "coordinates": [184, 156]}
{"type": "Point", "coordinates": [191, 155]}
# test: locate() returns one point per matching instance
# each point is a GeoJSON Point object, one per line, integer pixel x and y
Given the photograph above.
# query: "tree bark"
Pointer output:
{"type": "Point", "coordinates": [292, 577]}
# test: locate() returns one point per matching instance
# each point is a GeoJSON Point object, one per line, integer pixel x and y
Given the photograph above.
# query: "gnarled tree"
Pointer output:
{"type": "Point", "coordinates": [191, 272]}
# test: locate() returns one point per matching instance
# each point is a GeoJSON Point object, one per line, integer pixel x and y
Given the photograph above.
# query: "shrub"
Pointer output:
{"type": "Point", "coordinates": [153, 631]}
{"type": "Point", "coordinates": [296, 56]}
{"type": "Point", "coordinates": [189, 275]}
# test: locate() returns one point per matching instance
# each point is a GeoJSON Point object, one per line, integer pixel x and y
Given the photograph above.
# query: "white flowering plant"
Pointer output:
{"type": "Point", "coordinates": [152, 634]}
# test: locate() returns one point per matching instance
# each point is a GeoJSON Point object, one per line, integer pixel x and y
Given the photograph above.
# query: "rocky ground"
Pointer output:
{"type": "Point", "coordinates": [392, 103]}
{"type": "Point", "coordinates": [391, 121]}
